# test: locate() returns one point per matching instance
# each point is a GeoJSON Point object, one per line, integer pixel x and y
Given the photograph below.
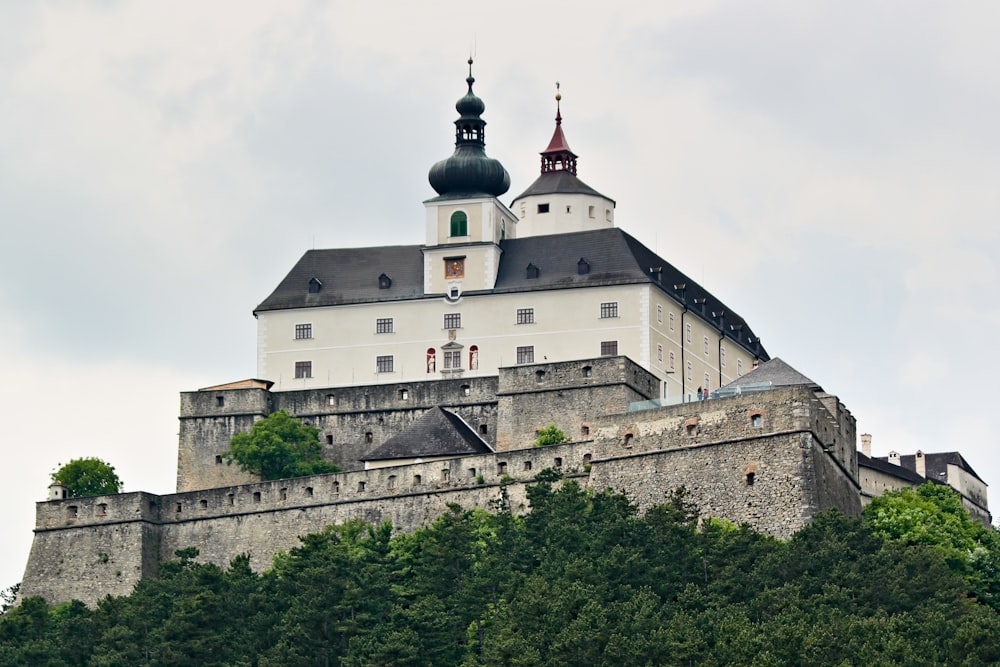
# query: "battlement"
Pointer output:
{"type": "Point", "coordinates": [768, 458]}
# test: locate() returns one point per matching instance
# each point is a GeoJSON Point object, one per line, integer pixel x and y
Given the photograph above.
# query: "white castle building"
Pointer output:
{"type": "Point", "coordinates": [548, 278]}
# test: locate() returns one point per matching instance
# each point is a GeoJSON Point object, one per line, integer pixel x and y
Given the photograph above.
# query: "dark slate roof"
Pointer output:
{"type": "Point", "coordinates": [350, 275]}
{"type": "Point", "coordinates": [883, 466]}
{"type": "Point", "coordinates": [559, 182]}
{"type": "Point", "coordinates": [936, 465]}
{"type": "Point", "coordinates": [437, 433]}
{"type": "Point", "coordinates": [778, 373]}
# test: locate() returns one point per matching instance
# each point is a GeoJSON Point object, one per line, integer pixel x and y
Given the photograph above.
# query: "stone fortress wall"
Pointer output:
{"type": "Point", "coordinates": [772, 459]}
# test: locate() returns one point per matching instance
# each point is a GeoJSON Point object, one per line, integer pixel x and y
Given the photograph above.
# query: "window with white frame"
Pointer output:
{"type": "Point", "coordinates": [303, 369]}
{"type": "Point", "coordinates": [609, 348]}
{"type": "Point", "coordinates": [452, 359]}
{"type": "Point", "coordinates": [303, 331]}
{"type": "Point", "coordinates": [671, 361]}
{"type": "Point", "coordinates": [453, 321]}
{"type": "Point", "coordinates": [525, 315]}
{"type": "Point", "coordinates": [383, 325]}
{"type": "Point", "coordinates": [526, 354]}
{"type": "Point", "coordinates": [690, 373]}
{"type": "Point", "coordinates": [687, 332]}
{"type": "Point", "coordinates": [706, 344]}
{"type": "Point", "coordinates": [609, 309]}
{"type": "Point", "coordinates": [659, 313]}
{"type": "Point", "coordinates": [670, 320]}
{"type": "Point", "coordinates": [659, 353]}
{"type": "Point", "coordinates": [384, 363]}
{"type": "Point", "coordinates": [708, 381]}
{"type": "Point", "coordinates": [739, 367]}
{"type": "Point", "coordinates": [722, 356]}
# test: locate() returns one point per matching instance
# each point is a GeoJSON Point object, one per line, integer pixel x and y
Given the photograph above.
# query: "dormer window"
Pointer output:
{"type": "Point", "coordinates": [315, 285]}
{"type": "Point", "coordinates": [531, 272]}
{"type": "Point", "coordinates": [459, 224]}
{"type": "Point", "coordinates": [582, 267]}
{"type": "Point", "coordinates": [384, 282]}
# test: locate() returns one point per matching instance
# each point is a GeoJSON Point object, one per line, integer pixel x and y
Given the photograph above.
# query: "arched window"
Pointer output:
{"type": "Point", "coordinates": [431, 360]}
{"type": "Point", "coordinates": [473, 357]}
{"type": "Point", "coordinates": [459, 224]}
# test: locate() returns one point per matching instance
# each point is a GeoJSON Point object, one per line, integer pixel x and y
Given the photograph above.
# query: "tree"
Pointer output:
{"type": "Point", "coordinates": [550, 435]}
{"type": "Point", "coordinates": [933, 515]}
{"type": "Point", "coordinates": [277, 447]}
{"type": "Point", "coordinates": [88, 476]}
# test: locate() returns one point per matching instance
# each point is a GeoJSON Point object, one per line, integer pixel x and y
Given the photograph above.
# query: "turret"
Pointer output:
{"type": "Point", "coordinates": [466, 223]}
{"type": "Point", "coordinates": [558, 201]}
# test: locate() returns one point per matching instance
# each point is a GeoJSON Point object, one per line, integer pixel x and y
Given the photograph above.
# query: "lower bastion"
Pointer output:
{"type": "Point", "coordinates": [772, 459]}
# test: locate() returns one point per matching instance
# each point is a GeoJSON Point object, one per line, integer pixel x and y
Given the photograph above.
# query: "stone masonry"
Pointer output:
{"type": "Point", "coordinates": [771, 459]}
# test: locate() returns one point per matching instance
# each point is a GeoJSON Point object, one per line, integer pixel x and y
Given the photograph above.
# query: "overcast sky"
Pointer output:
{"type": "Point", "coordinates": [830, 170]}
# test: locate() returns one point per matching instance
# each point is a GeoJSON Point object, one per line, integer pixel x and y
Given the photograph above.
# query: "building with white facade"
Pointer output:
{"type": "Point", "coordinates": [549, 278]}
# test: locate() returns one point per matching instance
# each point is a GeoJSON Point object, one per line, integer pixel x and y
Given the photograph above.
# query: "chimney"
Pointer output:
{"type": "Point", "coordinates": [866, 444]}
{"type": "Point", "coordinates": [920, 463]}
{"type": "Point", "coordinates": [894, 458]}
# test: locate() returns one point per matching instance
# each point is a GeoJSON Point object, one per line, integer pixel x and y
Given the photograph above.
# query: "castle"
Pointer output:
{"type": "Point", "coordinates": [429, 369]}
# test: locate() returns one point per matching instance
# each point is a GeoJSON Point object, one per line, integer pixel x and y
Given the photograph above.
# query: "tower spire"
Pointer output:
{"type": "Point", "coordinates": [558, 156]}
{"type": "Point", "coordinates": [469, 171]}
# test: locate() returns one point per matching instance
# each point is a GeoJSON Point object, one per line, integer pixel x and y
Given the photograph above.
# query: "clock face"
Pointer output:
{"type": "Point", "coordinates": [454, 268]}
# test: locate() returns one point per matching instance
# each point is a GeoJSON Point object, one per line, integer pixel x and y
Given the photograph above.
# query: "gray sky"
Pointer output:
{"type": "Point", "coordinates": [830, 170]}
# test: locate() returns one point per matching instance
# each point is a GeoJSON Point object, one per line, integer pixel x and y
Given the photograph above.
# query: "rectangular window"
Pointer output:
{"type": "Point", "coordinates": [722, 356]}
{"type": "Point", "coordinates": [453, 321]}
{"type": "Point", "coordinates": [609, 348]}
{"type": "Point", "coordinates": [670, 317]}
{"type": "Point", "coordinates": [303, 369]}
{"type": "Point", "coordinates": [659, 353]}
{"type": "Point", "coordinates": [543, 208]}
{"type": "Point", "coordinates": [687, 332]}
{"type": "Point", "coordinates": [671, 361]}
{"type": "Point", "coordinates": [526, 354]}
{"type": "Point", "coordinates": [452, 359]}
{"type": "Point", "coordinates": [525, 315]}
{"type": "Point", "coordinates": [708, 381]}
{"type": "Point", "coordinates": [739, 367]}
{"type": "Point", "coordinates": [383, 325]}
{"type": "Point", "coordinates": [659, 313]}
{"type": "Point", "coordinates": [609, 309]}
{"type": "Point", "coordinates": [303, 331]}
{"type": "Point", "coordinates": [383, 364]}
{"type": "Point", "coordinates": [706, 344]}
{"type": "Point", "coordinates": [689, 373]}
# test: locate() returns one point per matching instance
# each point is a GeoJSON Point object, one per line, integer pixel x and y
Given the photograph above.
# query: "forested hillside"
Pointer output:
{"type": "Point", "coordinates": [581, 580]}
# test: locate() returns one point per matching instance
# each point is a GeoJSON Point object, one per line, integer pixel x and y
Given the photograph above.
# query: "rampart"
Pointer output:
{"type": "Point", "coordinates": [755, 458]}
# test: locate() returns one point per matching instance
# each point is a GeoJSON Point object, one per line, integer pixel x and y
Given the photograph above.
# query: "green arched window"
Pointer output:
{"type": "Point", "coordinates": [459, 224]}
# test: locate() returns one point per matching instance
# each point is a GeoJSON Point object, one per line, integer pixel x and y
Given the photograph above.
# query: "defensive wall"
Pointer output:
{"type": "Point", "coordinates": [755, 458]}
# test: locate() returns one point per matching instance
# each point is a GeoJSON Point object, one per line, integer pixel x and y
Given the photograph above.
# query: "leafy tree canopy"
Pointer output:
{"type": "Point", "coordinates": [277, 447]}
{"type": "Point", "coordinates": [88, 476]}
{"type": "Point", "coordinates": [933, 515]}
{"type": "Point", "coordinates": [550, 435]}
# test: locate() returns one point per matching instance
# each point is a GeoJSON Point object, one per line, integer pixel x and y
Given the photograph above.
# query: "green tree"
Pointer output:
{"type": "Point", "coordinates": [933, 515]}
{"type": "Point", "coordinates": [277, 447]}
{"type": "Point", "coordinates": [550, 435]}
{"type": "Point", "coordinates": [88, 476]}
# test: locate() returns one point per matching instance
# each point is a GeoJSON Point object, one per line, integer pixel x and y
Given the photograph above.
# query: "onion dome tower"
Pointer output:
{"type": "Point", "coordinates": [465, 221]}
{"type": "Point", "coordinates": [469, 172]}
{"type": "Point", "coordinates": [558, 201]}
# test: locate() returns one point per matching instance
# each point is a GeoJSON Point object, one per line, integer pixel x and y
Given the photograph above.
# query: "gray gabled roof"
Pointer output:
{"type": "Point", "coordinates": [437, 432]}
{"type": "Point", "coordinates": [350, 275]}
{"type": "Point", "coordinates": [936, 465]}
{"type": "Point", "coordinates": [883, 466]}
{"type": "Point", "coordinates": [777, 373]}
{"type": "Point", "coordinates": [559, 182]}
